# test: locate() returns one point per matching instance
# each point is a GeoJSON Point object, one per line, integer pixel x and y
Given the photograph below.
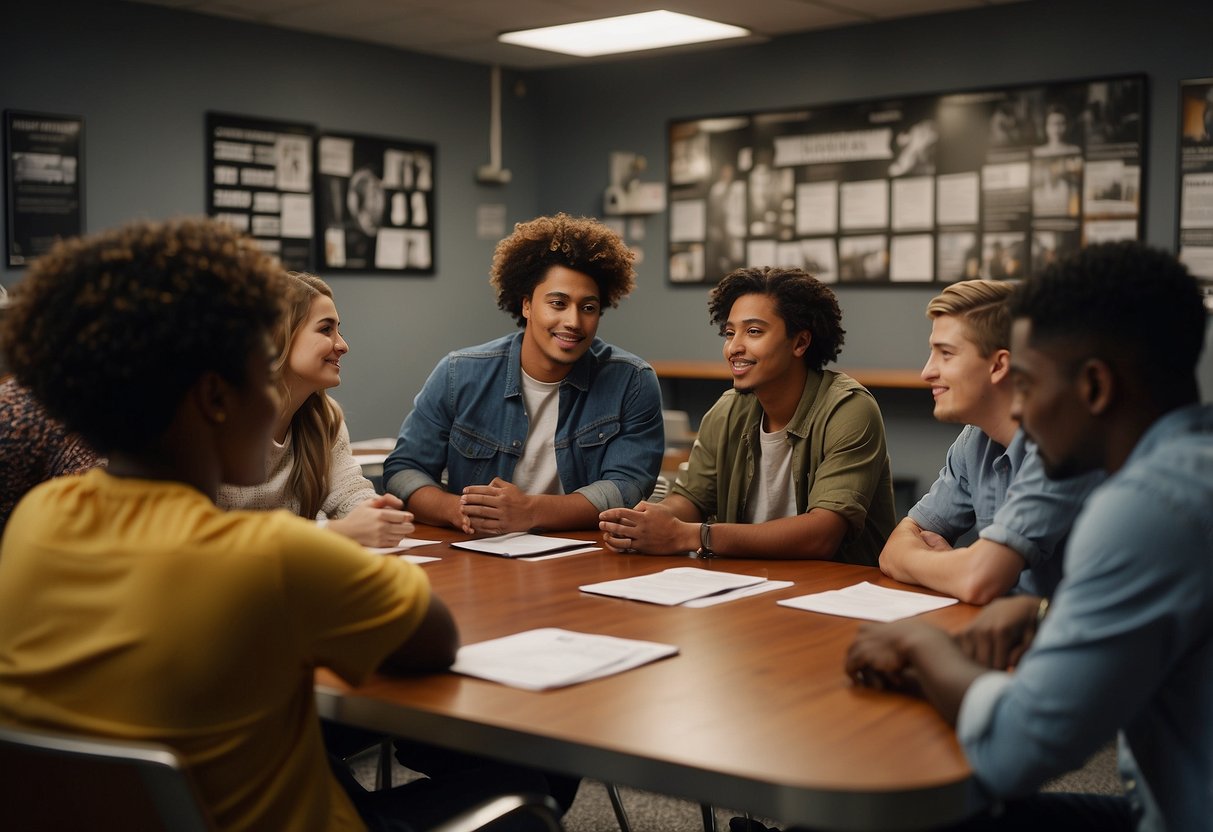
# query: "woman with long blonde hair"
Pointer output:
{"type": "Point", "coordinates": [312, 471]}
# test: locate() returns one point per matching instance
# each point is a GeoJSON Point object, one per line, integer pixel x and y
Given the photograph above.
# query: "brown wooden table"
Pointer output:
{"type": "Point", "coordinates": [755, 713]}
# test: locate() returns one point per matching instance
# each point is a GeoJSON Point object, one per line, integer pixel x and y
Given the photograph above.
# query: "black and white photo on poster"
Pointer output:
{"type": "Point", "coordinates": [44, 182]}
{"type": "Point", "coordinates": [376, 204]}
{"type": "Point", "coordinates": [1196, 179]}
{"type": "Point", "coordinates": [259, 181]}
{"type": "Point", "coordinates": [908, 189]}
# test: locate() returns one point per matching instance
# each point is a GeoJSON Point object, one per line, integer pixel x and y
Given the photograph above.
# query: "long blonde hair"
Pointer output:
{"type": "Point", "coordinates": [317, 423]}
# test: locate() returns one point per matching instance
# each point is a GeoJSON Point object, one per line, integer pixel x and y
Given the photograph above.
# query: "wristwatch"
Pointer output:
{"type": "Point", "coordinates": [705, 541]}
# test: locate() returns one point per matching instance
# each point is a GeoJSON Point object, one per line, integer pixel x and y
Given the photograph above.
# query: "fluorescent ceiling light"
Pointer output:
{"type": "Point", "coordinates": [626, 33]}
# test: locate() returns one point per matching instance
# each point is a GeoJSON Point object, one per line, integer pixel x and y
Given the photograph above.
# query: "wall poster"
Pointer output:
{"type": "Point", "coordinates": [990, 183]}
{"type": "Point", "coordinates": [44, 182]}
{"type": "Point", "coordinates": [376, 204]}
{"type": "Point", "coordinates": [259, 180]}
{"type": "Point", "coordinates": [1196, 177]}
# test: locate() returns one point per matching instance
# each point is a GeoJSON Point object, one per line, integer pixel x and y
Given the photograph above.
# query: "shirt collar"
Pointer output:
{"type": "Point", "coordinates": [578, 377]}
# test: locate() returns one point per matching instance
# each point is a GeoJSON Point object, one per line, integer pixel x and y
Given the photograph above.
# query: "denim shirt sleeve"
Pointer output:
{"type": "Point", "coordinates": [1038, 512]}
{"type": "Point", "coordinates": [420, 454]}
{"type": "Point", "coordinates": [1109, 655]}
{"type": "Point", "coordinates": [632, 460]}
{"type": "Point", "coordinates": [947, 509]}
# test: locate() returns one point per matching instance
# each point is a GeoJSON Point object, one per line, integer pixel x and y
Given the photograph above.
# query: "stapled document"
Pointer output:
{"type": "Point", "coordinates": [673, 586]}
{"type": "Point", "coordinates": [519, 544]}
{"type": "Point", "coordinates": [552, 658]}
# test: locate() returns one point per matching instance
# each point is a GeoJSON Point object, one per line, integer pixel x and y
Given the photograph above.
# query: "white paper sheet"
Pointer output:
{"type": "Point", "coordinates": [552, 658]}
{"type": "Point", "coordinates": [519, 544]}
{"type": "Point", "coordinates": [563, 554]}
{"type": "Point", "coordinates": [733, 595]}
{"type": "Point", "coordinates": [403, 546]}
{"type": "Point", "coordinates": [672, 586]}
{"type": "Point", "coordinates": [866, 600]}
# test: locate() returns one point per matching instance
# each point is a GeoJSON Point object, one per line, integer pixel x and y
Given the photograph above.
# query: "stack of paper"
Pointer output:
{"type": "Point", "coordinates": [683, 584]}
{"type": "Point", "coordinates": [865, 600]}
{"type": "Point", "coordinates": [524, 545]}
{"type": "Point", "coordinates": [553, 658]}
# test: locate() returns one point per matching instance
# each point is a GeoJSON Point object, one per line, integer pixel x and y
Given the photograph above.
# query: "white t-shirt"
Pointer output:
{"type": "Point", "coordinates": [536, 471]}
{"type": "Point", "coordinates": [774, 496]}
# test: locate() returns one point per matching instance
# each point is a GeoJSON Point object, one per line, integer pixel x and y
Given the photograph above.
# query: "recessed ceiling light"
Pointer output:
{"type": "Point", "coordinates": [626, 33]}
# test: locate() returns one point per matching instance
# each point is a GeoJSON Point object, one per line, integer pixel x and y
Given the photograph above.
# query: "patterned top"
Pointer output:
{"type": "Point", "coordinates": [33, 447]}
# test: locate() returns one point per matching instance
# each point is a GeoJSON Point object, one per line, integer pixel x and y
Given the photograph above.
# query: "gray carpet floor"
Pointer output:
{"type": "Point", "coordinates": [651, 812]}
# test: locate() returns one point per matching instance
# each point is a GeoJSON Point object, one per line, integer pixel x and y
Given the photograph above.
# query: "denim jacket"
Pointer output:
{"type": "Point", "coordinates": [470, 421]}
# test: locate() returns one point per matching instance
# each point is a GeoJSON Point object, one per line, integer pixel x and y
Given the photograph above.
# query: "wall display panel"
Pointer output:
{"type": "Point", "coordinates": [1196, 177]}
{"type": "Point", "coordinates": [376, 204]}
{"type": "Point", "coordinates": [259, 181]}
{"type": "Point", "coordinates": [44, 182]}
{"type": "Point", "coordinates": [989, 183]}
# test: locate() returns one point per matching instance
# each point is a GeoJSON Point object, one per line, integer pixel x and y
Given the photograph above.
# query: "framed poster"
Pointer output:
{"type": "Point", "coordinates": [44, 182]}
{"type": "Point", "coordinates": [375, 204]}
{"type": "Point", "coordinates": [988, 183]}
{"type": "Point", "coordinates": [1196, 177]}
{"type": "Point", "coordinates": [259, 181]}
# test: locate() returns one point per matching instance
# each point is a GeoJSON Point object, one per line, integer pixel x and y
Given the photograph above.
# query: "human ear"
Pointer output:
{"type": "Point", "coordinates": [526, 308]}
{"type": "Point", "coordinates": [1097, 386]}
{"type": "Point", "coordinates": [1000, 365]}
{"type": "Point", "coordinates": [213, 397]}
{"type": "Point", "coordinates": [801, 343]}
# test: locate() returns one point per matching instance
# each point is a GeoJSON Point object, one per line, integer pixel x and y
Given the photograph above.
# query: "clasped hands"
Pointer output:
{"type": "Point", "coordinates": [649, 528]}
{"type": "Point", "coordinates": [496, 508]}
{"type": "Point", "coordinates": [883, 656]}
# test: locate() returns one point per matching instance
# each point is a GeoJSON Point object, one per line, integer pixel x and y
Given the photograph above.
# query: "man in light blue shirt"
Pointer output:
{"type": "Point", "coordinates": [992, 482]}
{"type": "Point", "coordinates": [547, 427]}
{"type": "Point", "coordinates": [1104, 350]}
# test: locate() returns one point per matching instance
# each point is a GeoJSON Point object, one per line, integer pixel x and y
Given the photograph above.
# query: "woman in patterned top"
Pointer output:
{"type": "Point", "coordinates": [312, 471]}
{"type": "Point", "coordinates": [33, 447]}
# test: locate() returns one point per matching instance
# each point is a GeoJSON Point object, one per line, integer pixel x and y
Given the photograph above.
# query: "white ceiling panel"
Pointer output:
{"type": "Point", "coordinates": [467, 29]}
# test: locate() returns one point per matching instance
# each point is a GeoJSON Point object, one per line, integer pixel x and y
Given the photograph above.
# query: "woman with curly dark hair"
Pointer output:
{"type": "Point", "coordinates": [131, 606]}
{"type": "Point", "coordinates": [792, 460]}
{"type": "Point", "coordinates": [546, 427]}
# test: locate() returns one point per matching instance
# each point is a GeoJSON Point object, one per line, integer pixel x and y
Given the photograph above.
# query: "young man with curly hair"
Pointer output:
{"type": "Point", "coordinates": [543, 428]}
{"type": "Point", "coordinates": [1104, 349]}
{"type": "Point", "coordinates": [791, 461]}
{"type": "Point", "coordinates": [992, 481]}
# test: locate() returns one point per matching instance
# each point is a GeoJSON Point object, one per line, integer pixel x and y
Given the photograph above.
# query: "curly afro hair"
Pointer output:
{"type": "Point", "coordinates": [110, 331]}
{"type": "Point", "coordinates": [579, 243]}
{"type": "Point", "coordinates": [804, 303]}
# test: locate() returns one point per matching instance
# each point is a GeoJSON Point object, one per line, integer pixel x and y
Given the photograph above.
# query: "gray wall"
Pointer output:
{"type": "Point", "coordinates": [142, 77]}
{"type": "Point", "coordinates": [629, 104]}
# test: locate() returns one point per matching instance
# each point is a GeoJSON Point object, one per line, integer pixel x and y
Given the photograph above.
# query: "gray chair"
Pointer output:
{"type": "Point", "coordinates": [55, 781]}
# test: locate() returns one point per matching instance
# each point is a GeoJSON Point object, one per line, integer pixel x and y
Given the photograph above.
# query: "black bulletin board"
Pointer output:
{"type": "Point", "coordinates": [259, 180]}
{"type": "Point", "coordinates": [927, 189]}
{"type": "Point", "coordinates": [375, 207]}
{"type": "Point", "coordinates": [44, 182]}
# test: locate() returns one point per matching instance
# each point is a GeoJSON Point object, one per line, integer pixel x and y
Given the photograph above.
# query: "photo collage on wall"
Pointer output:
{"type": "Point", "coordinates": [993, 183]}
{"type": "Point", "coordinates": [376, 210]}
{"type": "Point", "coordinates": [366, 203]}
{"type": "Point", "coordinates": [1196, 179]}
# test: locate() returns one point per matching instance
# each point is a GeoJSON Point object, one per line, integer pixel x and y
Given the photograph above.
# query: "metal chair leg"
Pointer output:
{"type": "Point", "coordinates": [617, 804]}
{"type": "Point", "coordinates": [709, 817]}
{"type": "Point", "coordinates": [383, 772]}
